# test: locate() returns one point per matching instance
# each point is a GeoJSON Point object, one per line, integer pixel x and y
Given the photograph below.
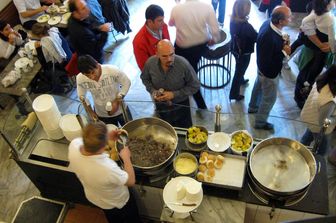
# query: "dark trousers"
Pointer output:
{"type": "Point", "coordinates": [242, 62]}
{"type": "Point", "coordinates": [309, 73]}
{"type": "Point", "coordinates": [117, 120]}
{"type": "Point", "coordinates": [127, 214]}
{"type": "Point", "coordinates": [178, 115]}
{"type": "Point", "coordinates": [193, 55]}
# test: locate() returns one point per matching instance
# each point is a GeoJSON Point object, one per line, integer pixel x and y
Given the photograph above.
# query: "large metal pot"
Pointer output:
{"type": "Point", "coordinates": [282, 166]}
{"type": "Point", "coordinates": [161, 131]}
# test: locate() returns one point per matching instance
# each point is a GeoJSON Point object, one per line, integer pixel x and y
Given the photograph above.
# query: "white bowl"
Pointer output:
{"type": "Point", "coordinates": [70, 126]}
{"type": "Point", "coordinates": [219, 141]}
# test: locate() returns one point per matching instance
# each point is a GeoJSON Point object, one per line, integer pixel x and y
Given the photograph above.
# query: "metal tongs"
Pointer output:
{"type": "Point", "coordinates": [121, 142]}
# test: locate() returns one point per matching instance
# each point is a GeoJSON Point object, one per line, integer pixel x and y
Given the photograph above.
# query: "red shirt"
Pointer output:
{"type": "Point", "coordinates": [144, 44]}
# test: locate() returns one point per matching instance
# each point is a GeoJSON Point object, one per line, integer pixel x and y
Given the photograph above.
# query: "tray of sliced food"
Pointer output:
{"type": "Point", "coordinates": [221, 169]}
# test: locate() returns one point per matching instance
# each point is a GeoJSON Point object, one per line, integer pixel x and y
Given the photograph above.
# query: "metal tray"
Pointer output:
{"type": "Point", "coordinates": [232, 173]}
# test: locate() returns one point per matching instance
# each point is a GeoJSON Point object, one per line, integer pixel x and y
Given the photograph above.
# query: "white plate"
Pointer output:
{"type": "Point", "coordinates": [54, 20]}
{"type": "Point", "coordinates": [65, 17]}
{"type": "Point", "coordinates": [43, 18]}
{"type": "Point", "coordinates": [53, 9]}
{"type": "Point", "coordinates": [22, 62]}
{"type": "Point", "coordinates": [219, 141]}
{"type": "Point", "coordinates": [170, 194]}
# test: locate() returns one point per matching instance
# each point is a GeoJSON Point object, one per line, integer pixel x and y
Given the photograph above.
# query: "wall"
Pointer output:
{"type": "Point", "coordinates": [4, 3]}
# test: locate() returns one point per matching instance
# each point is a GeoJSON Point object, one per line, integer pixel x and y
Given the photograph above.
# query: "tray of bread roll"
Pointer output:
{"type": "Point", "coordinates": [221, 170]}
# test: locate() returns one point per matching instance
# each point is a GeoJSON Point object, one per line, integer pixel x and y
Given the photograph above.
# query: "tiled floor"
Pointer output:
{"type": "Point", "coordinates": [15, 187]}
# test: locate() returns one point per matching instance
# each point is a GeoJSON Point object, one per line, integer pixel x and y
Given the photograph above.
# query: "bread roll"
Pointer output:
{"type": "Point", "coordinates": [218, 164]}
{"type": "Point", "coordinates": [203, 160]}
{"type": "Point", "coordinates": [220, 157]}
{"type": "Point", "coordinates": [200, 176]}
{"type": "Point", "coordinates": [211, 172]}
{"type": "Point", "coordinates": [202, 168]}
{"type": "Point", "coordinates": [210, 164]}
{"type": "Point", "coordinates": [212, 157]}
{"type": "Point", "coordinates": [204, 154]}
{"type": "Point", "coordinates": [208, 179]}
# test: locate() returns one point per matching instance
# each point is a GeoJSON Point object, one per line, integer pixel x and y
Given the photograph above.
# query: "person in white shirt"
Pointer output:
{"type": "Point", "coordinates": [28, 11]}
{"type": "Point", "coordinates": [319, 33]}
{"type": "Point", "coordinates": [103, 82]}
{"type": "Point", "coordinates": [9, 40]}
{"type": "Point", "coordinates": [196, 26]}
{"type": "Point", "coordinates": [50, 42]}
{"type": "Point", "coordinates": [321, 104]}
{"type": "Point", "coordinates": [105, 183]}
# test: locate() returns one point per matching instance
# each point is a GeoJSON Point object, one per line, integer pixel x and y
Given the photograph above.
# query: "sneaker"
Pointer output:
{"type": "Point", "coordinates": [252, 111]}
{"type": "Point", "coordinates": [266, 126]}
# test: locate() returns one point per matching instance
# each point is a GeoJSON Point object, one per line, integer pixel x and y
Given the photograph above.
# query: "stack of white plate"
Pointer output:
{"type": "Point", "coordinates": [47, 112]}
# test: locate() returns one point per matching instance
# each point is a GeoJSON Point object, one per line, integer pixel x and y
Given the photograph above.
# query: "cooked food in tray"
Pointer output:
{"type": "Point", "coordinates": [221, 170]}
{"type": "Point", "coordinates": [208, 164]}
{"type": "Point", "coordinates": [147, 152]}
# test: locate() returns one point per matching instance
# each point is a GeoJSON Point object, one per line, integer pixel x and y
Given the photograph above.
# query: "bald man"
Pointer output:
{"type": "Point", "coordinates": [177, 78]}
{"type": "Point", "coordinates": [271, 49]}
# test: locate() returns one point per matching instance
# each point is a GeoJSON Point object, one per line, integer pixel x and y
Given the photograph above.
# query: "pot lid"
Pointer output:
{"type": "Point", "coordinates": [280, 168]}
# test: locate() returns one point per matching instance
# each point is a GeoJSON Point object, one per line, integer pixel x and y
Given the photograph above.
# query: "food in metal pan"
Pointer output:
{"type": "Point", "coordinates": [197, 135]}
{"type": "Point", "coordinates": [147, 152]}
{"type": "Point", "coordinates": [241, 141]}
{"type": "Point", "coordinates": [185, 165]}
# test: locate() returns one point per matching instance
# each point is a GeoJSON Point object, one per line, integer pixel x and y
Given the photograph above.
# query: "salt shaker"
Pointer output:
{"type": "Point", "coordinates": [108, 107]}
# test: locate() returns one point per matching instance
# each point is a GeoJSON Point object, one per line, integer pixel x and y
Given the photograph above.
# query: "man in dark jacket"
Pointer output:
{"type": "Point", "coordinates": [86, 35]}
{"type": "Point", "coordinates": [271, 49]}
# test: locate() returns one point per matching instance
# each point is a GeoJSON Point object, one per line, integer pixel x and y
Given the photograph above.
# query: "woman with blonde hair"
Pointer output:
{"type": "Point", "coordinates": [243, 37]}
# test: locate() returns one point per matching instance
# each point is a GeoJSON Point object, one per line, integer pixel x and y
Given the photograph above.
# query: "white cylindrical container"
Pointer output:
{"type": "Point", "coordinates": [47, 111]}
{"type": "Point", "coordinates": [194, 190]}
{"type": "Point", "coordinates": [70, 126]}
{"type": "Point", "coordinates": [54, 133]}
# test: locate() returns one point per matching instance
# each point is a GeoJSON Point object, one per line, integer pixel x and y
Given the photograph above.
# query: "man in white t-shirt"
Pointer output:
{"type": "Point", "coordinates": [103, 82]}
{"type": "Point", "coordinates": [29, 10]}
{"type": "Point", "coordinates": [105, 183]}
{"type": "Point", "coordinates": [196, 27]}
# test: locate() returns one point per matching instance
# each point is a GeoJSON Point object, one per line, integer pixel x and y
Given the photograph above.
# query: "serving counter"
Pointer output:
{"type": "Point", "coordinates": [45, 162]}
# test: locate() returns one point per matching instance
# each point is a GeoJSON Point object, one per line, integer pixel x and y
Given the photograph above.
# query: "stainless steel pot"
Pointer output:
{"type": "Point", "coordinates": [282, 166]}
{"type": "Point", "coordinates": [161, 131]}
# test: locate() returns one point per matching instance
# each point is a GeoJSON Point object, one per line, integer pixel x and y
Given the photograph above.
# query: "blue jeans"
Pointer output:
{"type": "Point", "coordinates": [308, 137]}
{"type": "Point", "coordinates": [221, 9]}
{"type": "Point", "coordinates": [242, 62]}
{"type": "Point", "coordinates": [263, 97]}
